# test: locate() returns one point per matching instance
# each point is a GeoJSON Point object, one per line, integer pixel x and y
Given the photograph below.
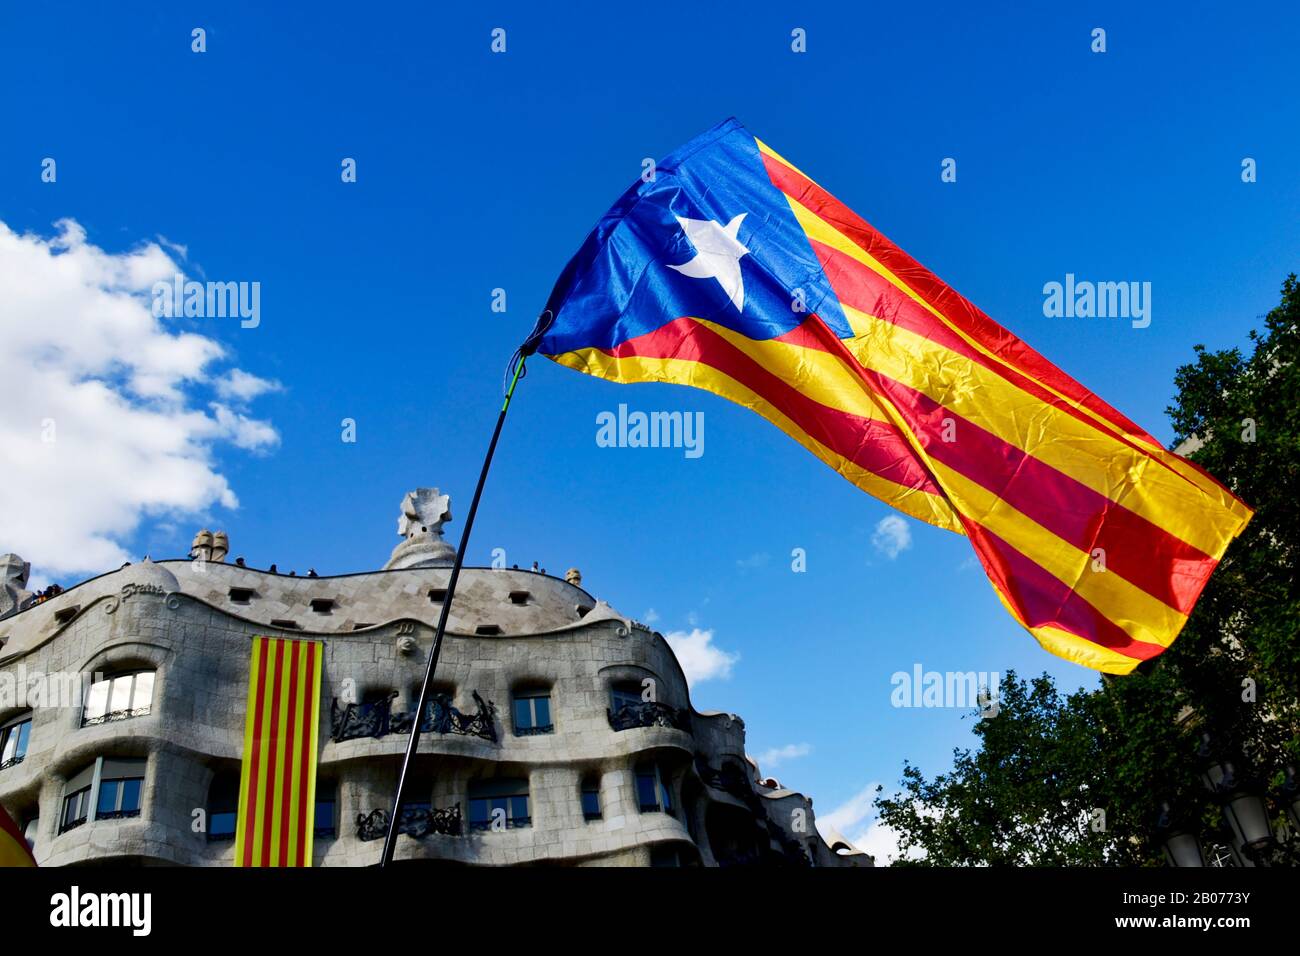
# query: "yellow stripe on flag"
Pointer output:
{"type": "Point", "coordinates": [279, 768]}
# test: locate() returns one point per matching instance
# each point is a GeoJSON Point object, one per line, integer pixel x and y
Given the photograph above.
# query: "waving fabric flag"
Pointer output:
{"type": "Point", "coordinates": [277, 787]}
{"type": "Point", "coordinates": [13, 847]}
{"type": "Point", "coordinates": [734, 272]}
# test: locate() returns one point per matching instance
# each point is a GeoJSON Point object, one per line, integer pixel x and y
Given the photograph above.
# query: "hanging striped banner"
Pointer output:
{"type": "Point", "coordinates": [277, 787]}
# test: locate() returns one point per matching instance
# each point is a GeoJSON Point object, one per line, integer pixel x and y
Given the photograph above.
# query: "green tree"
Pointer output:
{"type": "Point", "coordinates": [1064, 780]}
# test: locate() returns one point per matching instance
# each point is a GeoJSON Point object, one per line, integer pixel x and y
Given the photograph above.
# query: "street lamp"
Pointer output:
{"type": "Point", "coordinates": [1290, 798]}
{"type": "Point", "coordinates": [1181, 846]}
{"type": "Point", "coordinates": [1242, 800]}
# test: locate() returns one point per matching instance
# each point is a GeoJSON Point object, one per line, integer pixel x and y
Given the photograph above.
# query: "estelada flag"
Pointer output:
{"type": "Point", "coordinates": [13, 846]}
{"type": "Point", "coordinates": [277, 787]}
{"type": "Point", "coordinates": [732, 271]}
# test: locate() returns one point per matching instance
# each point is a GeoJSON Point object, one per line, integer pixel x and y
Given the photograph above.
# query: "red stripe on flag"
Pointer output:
{"type": "Point", "coordinates": [268, 812]}
{"type": "Point", "coordinates": [1043, 601]}
{"type": "Point", "coordinates": [1137, 549]}
{"type": "Point", "coordinates": [289, 753]}
{"type": "Point", "coordinates": [865, 290]}
{"type": "Point", "coordinates": [874, 445]}
{"type": "Point", "coordinates": [305, 822]}
{"type": "Point", "coordinates": [254, 758]}
{"type": "Point", "coordinates": [10, 827]}
{"type": "Point", "coordinates": [955, 307]}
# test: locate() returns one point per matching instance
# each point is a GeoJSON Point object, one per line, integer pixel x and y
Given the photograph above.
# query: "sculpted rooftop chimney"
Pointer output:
{"type": "Point", "coordinates": [13, 584]}
{"type": "Point", "coordinates": [424, 511]}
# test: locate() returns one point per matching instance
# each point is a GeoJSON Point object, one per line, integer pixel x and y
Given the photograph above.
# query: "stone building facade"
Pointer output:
{"type": "Point", "coordinates": [561, 733]}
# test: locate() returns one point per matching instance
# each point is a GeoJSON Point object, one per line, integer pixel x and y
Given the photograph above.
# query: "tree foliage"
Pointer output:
{"type": "Point", "coordinates": [1063, 780]}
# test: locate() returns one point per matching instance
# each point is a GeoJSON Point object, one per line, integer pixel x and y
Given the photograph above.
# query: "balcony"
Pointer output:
{"type": "Point", "coordinates": [732, 781]}
{"type": "Point", "coordinates": [535, 731]}
{"type": "Point", "coordinates": [117, 814]}
{"type": "Point", "coordinates": [648, 713]}
{"type": "Point", "coordinates": [12, 761]}
{"type": "Point", "coordinates": [417, 821]}
{"type": "Point", "coordinates": [114, 716]}
{"type": "Point", "coordinates": [378, 719]}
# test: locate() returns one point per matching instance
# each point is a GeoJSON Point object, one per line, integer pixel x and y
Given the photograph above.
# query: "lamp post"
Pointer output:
{"type": "Point", "coordinates": [1289, 797]}
{"type": "Point", "coordinates": [1241, 799]}
{"type": "Point", "coordinates": [1181, 845]}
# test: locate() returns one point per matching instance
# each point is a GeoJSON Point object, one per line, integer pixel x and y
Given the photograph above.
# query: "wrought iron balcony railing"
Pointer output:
{"type": "Point", "coordinates": [353, 721]}
{"type": "Point", "coordinates": [647, 713]}
{"type": "Point", "coordinates": [535, 731]}
{"type": "Point", "coordinates": [377, 719]}
{"type": "Point", "coordinates": [114, 716]}
{"type": "Point", "coordinates": [12, 761]}
{"type": "Point", "coordinates": [117, 814]}
{"type": "Point", "coordinates": [729, 780]}
{"type": "Point", "coordinates": [418, 822]}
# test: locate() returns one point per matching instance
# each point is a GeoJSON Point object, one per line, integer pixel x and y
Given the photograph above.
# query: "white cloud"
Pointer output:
{"type": "Point", "coordinates": [779, 755]}
{"type": "Point", "coordinates": [892, 536]}
{"type": "Point", "coordinates": [700, 659]}
{"type": "Point", "coordinates": [859, 822]}
{"type": "Point", "coordinates": [240, 386]}
{"type": "Point", "coordinates": [242, 431]}
{"type": "Point", "coordinates": [759, 559]}
{"type": "Point", "coordinates": [181, 250]}
{"type": "Point", "coordinates": [98, 425]}
{"type": "Point", "coordinates": [650, 616]}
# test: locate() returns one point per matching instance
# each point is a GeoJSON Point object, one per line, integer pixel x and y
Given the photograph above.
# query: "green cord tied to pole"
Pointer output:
{"type": "Point", "coordinates": [515, 368]}
{"type": "Point", "coordinates": [514, 380]}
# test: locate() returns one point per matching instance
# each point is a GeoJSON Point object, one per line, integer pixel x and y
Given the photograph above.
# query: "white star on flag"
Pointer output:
{"type": "Point", "coordinates": [717, 255]}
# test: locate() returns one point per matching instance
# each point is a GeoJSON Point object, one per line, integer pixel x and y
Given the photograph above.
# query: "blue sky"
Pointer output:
{"type": "Point", "coordinates": [479, 171]}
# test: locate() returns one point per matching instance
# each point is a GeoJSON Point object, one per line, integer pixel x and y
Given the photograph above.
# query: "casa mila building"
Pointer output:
{"type": "Point", "coordinates": [560, 733]}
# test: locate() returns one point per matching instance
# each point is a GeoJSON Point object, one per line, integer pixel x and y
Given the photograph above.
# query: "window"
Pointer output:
{"type": "Point", "coordinates": [223, 807]}
{"type": "Point", "coordinates": [76, 805]}
{"type": "Point", "coordinates": [519, 597]}
{"type": "Point", "coordinates": [322, 605]}
{"type": "Point", "coordinates": [120, 784]}
{"type": "Point", "coordinates": [67, 614]}
{"type": "Point", "coordinates": [533, 714]}
{"type": "Point", "coordinates": [119, 697]}
{"type": "Point", "coordinates": [286, 625]}
{"type": "Point", "coordinates": [241, 595]}
{"type": "Point", "coordinates": [489, 630]}
{"type": "Point", "coordinates": [13, 740]}
{"type": "Point", "coordinates": [76, 799]}
{"type": "Point", "coordinates": [652, 794]}
{"type": "Point", "coordinates": [326, 805]}
{"type": "Point", "coordinates": [499, 805]}
{"type": "Point", "coordinates": [29, 832]}
{"type": "Point", "coordinates": [590, 801]}
{"type": "Point", "coordinates": [624, 695]}
{"type": "Point", "coordinates": [119, 798]}
{"type": "Point", "coordinates": [437, 595]}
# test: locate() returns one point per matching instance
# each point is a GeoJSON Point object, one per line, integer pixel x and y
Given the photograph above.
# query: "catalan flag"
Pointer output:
{"type": "Point", "coordinates": [277, 788]}
{"type": "Point", "coordinates": [732, 271]}
{"type": "Point", "coordinates": [13, 846]}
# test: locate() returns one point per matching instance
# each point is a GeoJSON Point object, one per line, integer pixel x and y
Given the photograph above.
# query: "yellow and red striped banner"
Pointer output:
{"type": "Point", "coordinates": [13, 846]}
{"type": "Point", "coordinates": [1096, 538]}
{"type": "Point", "coordinates": [277, 787]}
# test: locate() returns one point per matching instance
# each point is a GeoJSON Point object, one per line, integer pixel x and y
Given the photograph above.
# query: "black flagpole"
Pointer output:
{"type": "Point", "coordinates": [390, 839]}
